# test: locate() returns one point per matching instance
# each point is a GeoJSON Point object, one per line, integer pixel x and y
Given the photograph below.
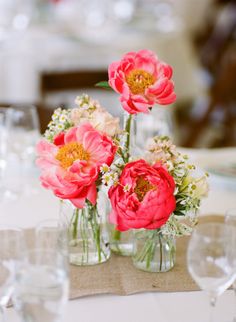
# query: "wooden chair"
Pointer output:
{"type": "Point", "coordinates": [54, 82]}
{"type": "Point", "coordinates": [219, 58]}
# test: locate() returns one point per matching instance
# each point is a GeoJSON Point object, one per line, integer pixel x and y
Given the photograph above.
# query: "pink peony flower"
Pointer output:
{"type": "Point", "coordinates": [143, 198]}
{"type": "Point", "coordinates": [142, 80]}
{"type": "Point", "coordinates": [70, 166]}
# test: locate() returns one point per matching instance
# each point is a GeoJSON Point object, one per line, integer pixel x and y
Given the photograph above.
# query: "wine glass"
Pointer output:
{"type": "Point", "coordinates": [230, 219]}
{"type": "Point", "coordinates": [41, 286]}
{"type": "Point", "coordinates": [11, 253]}
{"type": "Point", "coordinates": [209, 259]}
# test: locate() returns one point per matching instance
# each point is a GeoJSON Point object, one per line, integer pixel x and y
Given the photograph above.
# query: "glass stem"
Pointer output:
{"type": "Point", "coordinates": [212, 308]}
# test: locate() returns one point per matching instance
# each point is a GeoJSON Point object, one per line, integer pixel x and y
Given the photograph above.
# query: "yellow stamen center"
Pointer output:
{"type": "Point", "coordinates": [138, 80]}
{"type": "Point", "coordinates": [71, 152]}
{"type": "Point", "coordinates": [142, 187]}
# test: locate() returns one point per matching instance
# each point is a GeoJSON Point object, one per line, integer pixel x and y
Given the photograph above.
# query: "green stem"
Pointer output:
{"type": "Point", "coordinates": [161, 255]}
{"type": "Point", "coordinates": [96, 233]}
{"type": "Point", "coordinates": [75, 224]}
{"type": "Point", "coordinates": [116, 235]}
{"type": "Point", "coordinates": [127, 142]}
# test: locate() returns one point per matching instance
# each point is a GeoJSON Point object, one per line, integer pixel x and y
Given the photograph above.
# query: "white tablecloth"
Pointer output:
{"type": "Point", "coordinates": [161, 307]}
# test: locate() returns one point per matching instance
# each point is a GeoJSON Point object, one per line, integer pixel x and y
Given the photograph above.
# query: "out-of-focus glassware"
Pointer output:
{"type": "Point", "coordinates": [51, 234]}
{"type": "Point", "coordinates": [23, 124]}
{"type": "Point", "coordinates": [23, 133]}
{"type": "Point", "coordinates": [15, 15]}
{"type": "Point", "coordinates": [209, 259]}
{"type": "Point", "coordinates": [11, 253]}
{"type": "Point", "coordinates": [158, 122]}
{"type": "Point", "coordinates": [230, 219]}
{"type": "Point", "coordinates": [41, 287]}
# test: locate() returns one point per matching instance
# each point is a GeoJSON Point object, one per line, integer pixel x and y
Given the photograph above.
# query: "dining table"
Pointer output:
{"type": "Point", "coordinates": [179, 306]}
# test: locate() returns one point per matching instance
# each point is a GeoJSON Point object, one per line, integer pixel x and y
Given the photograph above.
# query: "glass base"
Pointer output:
{"type": "Point", "coordinates": [84, 255]}
{"type": "Point", "coordinates": [154, 267]}
{"type": "Point", "coordinates": [122, 249]}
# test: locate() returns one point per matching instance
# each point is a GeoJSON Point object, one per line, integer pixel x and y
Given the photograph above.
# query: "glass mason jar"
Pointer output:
{"type": "Point", "coordinates": [88, 238]}
{"type": "Point", "coordinates": [122, 243]}
{"type": "Point", "coordinates": [153, 251]}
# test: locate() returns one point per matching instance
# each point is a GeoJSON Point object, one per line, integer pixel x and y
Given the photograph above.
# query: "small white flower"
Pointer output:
{"type": "Point", "coordinates": [62, 118]}
{"type": "Point", "coordinates": [104, 168]}
{"type": "Point", "coordinates": [126, 188]}
{"type": "Point", "coordinates": [107, 179]}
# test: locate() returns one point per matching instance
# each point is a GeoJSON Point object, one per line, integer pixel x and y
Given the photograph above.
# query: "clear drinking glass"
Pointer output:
{"type": "Point", "coordinates": [209, 259]}
{"type": "Point", "coordinates": [230, 219]}
{"type": "Point", "coordinates": [41, 287]}
{"type": "Point", "coordinates": [11, 253]}
{"type": "Point", "coordinates": [50, 234]}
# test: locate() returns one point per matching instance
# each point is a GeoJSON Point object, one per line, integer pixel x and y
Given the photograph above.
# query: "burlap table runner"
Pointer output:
{"type": "Point", "coordinates": [119, 276]}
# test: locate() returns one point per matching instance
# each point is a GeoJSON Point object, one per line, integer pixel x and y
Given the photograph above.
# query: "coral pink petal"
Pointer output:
{"type": "Point", "coordinates": [113, 217]}
{"type": "Point", "coordinates": [70, 136]}
{"type": "Point", "coordinates": [44, 147]}
{"type": "Point", "coordinates": [92, 194]}
{"type": "Point", "coordinates": [78, 202]}
{"type": "Point", "coordinates": [82, 130]}
{"type": "Point", "coordinates": [168, 100]}
{"type": "Point", "coordinates": [158, 87]}
{"type": "Point", "coordinates": [167, 70]}
{"type": "Point", "coordinates": [167, 91]}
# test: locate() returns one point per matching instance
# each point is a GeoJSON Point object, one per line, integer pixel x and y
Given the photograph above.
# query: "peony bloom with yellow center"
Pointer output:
{"type": "Point", "coordinates": [142, 80]}
{"type": "Point", "coordinates": [71, 164]}
{"type": "Point", "coordinates": [143, 198]}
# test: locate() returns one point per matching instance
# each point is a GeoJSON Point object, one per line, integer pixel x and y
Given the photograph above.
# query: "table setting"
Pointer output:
{"type": "Point", "coordinates": [120, 230]}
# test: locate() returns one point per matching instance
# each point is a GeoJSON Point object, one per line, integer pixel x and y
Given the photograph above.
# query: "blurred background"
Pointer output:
{"type": "Point", "coordinates": [53, 50]}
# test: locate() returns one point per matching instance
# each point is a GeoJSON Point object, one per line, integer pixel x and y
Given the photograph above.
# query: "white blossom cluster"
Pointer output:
{"type": "Point", "coordinates": [88, 110]}
{"type": "Point", "coordinates": [110, 176]}
{"type": "Point", "coordinates": [190, 187]}
{"type": "Point", "coordinates": [61, 121]}
{"type": "Point", "coordinates": [86, 103]}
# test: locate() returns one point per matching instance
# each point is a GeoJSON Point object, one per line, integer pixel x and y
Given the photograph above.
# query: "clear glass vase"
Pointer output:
{"type": "Point", "coordinates": [88, 238]}
{"type": "Point", "coordinates": [153, 251]}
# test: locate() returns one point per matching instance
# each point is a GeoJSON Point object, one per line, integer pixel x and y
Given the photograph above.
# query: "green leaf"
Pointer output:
{"type": "Point", "coordinates": [103, 84]}
{"type": "Point", "coordinates": [179, 213]}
